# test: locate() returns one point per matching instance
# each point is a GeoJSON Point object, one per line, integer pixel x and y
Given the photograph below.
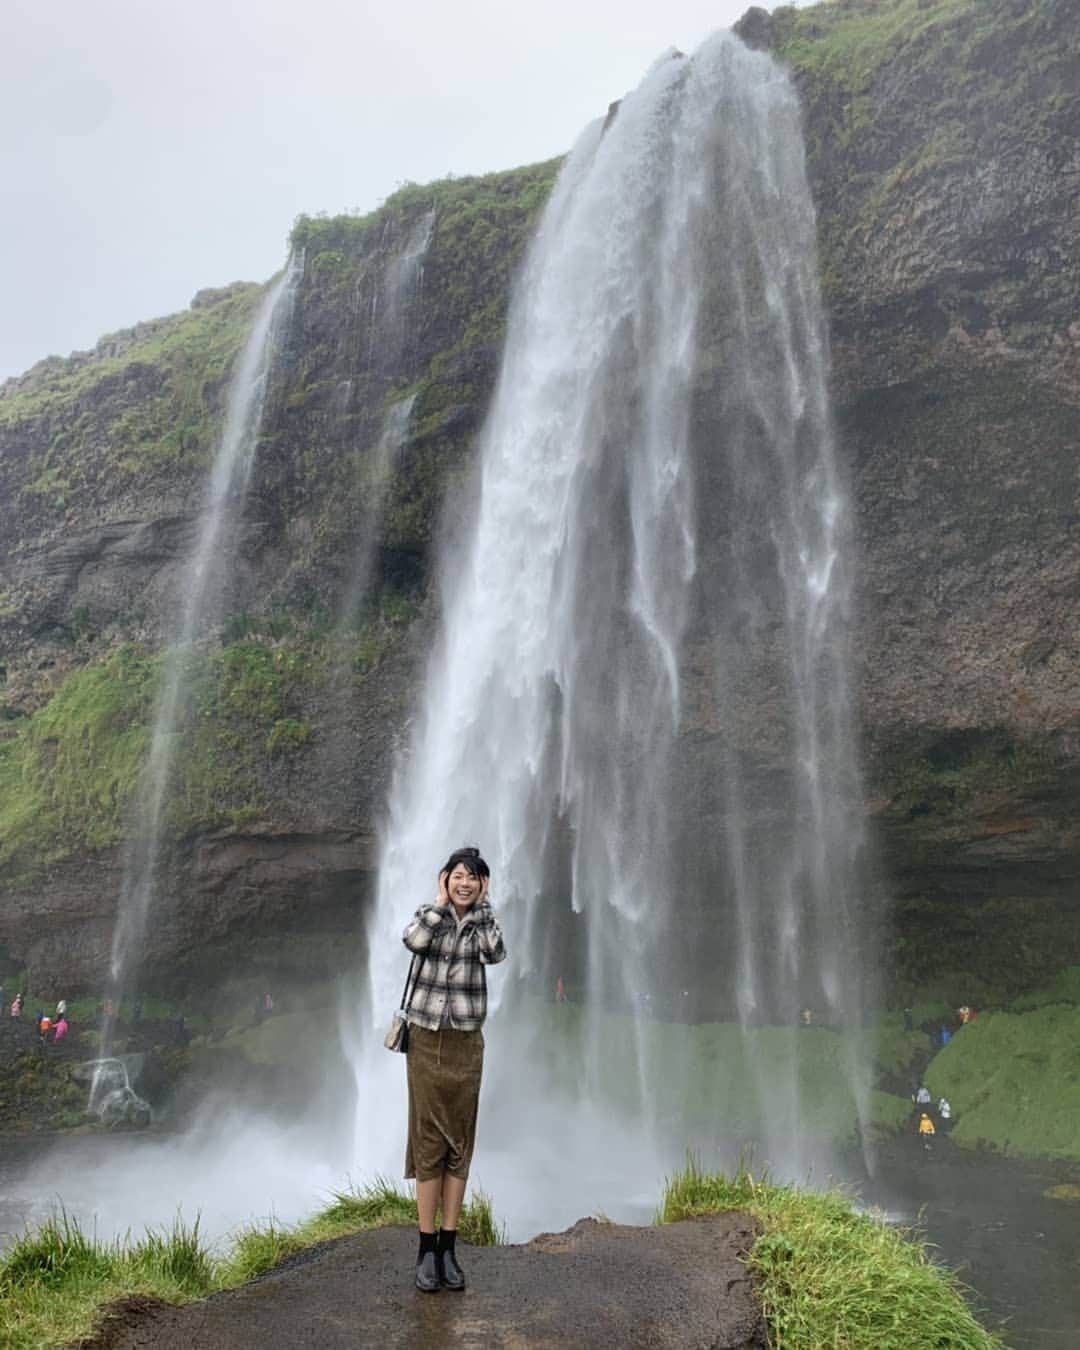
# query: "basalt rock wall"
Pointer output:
{"type": "Point", "coordinates": [944, 149]}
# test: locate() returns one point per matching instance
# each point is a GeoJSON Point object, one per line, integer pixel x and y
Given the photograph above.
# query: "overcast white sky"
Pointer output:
{"type": "Point", "coordinates": [152, 147]}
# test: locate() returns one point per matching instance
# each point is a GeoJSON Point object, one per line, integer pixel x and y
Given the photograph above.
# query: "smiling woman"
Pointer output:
{"type": "Point", "coordinates": [452, 939]}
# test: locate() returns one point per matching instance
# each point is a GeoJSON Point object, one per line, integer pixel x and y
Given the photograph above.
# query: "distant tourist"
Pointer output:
{"type": "Point", "coordinates": [926, 1129]}
{"type": "Point", "coordinates": [44, 1026]}
{"type": "Point", "coordinates": [16, 1006]}
{"type": "Point", "coordinates": [806, 1017]}
{"type": "Point", "coordinates": [1, 998]}
{"type": "Point", "coordinates": [136, 1013]}
{"type": "Point", "coordinates": [452, 939]}
{"type": "Point", "coordinates": [180, 1032]}
{"type": "Point", "coordinates": [944, 1110]}
{"type": "Point", "coordinates": [61, 1029]}
{"type": "Point", "coordinates": [61, 1008]}
{"type": "Point", "coordinates": [560, 990]}
{"type": "Point", "coordinates": [909, 1020]}
{"type": "Point", "coordinates": [966, 1015]}
{"type": "Point", "coordinates": [922, 1097]}
{"type": "Point", "coordinates": [268, 1005]}
{"type": "Point", "coordinates": [944, 1034]}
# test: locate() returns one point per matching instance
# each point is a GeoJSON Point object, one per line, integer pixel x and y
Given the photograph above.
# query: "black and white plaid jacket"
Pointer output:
{"type": "Point", "coordinates": [451, 988]}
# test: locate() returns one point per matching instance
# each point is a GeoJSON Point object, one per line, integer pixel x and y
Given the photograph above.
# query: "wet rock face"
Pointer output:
{"type": "Point", "coordinates": [229, 906]}
{"type": "Point", "coordinates": [944, 170]}
{"type": "Point", "coordinates": [942, 189]}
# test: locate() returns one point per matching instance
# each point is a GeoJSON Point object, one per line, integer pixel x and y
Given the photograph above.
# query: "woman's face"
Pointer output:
{"type": "Point", "coordinates": [463, 886]}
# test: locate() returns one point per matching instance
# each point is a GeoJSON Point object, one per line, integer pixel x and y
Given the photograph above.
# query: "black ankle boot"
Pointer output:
{"type": "Point", "coordinates": [427, 1265]}
{"type": "Point", "coordinates": [450, 1273]}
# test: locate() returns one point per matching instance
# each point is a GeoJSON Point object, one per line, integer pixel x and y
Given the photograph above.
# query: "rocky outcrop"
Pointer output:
{"type": "Point", "coordinates": [944, 151]}
{"type": "Point", "coordinates": [680, 1285]}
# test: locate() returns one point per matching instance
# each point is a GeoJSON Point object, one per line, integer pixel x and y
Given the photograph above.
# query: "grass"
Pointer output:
{"type": "Point", "coordinates": [1013, 1081]}
{"type": "Point", "coordinates": [144, 398]}
{"type": "Point", "coordinates": [849, 41]}
{"type": "Point", "coordinates": [830, 1277]}
{"type": "Point", "coordinates": [57, 1280]}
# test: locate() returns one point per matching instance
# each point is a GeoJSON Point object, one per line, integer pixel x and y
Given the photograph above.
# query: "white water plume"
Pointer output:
{"type": "Point", "coordinates": [638, 703]}
{"type": "Point", "coordinates": [202, 587]}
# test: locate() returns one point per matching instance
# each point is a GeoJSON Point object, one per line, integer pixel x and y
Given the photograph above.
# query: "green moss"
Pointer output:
{"type": "Point", "coordinates": [156, 401]}
{"type": "Point", "coordinates": [238, 703]}
{"type": "Point", "coordinates": [466, 209]}
{"type": "Point", "coordinates": [67, 776]}
{"type": "Point", "coordinates": [287, 735]}
{"type": "Point", "coordinates": [847, 41]}
{"type": "Point", "coordinates": [827, 1276]}
{"type": "Point", "coordinates": [960, 771]}
{"type": "Point", "coordinates": [69, 773]}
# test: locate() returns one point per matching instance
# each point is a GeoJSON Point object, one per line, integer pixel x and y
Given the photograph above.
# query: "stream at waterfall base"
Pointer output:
{"type": "Point", "coordinates": [988, 1217]}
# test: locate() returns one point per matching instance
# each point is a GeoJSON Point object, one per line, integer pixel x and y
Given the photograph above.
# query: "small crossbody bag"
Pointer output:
{"type": "Point", "coordinates": [397, 1038]}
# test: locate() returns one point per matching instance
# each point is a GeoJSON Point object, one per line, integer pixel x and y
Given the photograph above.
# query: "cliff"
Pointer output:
{"type": "Point", "coordinates": [944, 150]}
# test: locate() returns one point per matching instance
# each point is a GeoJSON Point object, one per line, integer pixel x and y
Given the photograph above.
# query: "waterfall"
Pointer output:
{"type": "Point", "coordinates": [395, 301]}
{"type": "Point", "coordinates": [638, 703]}
{"type": "Point", "coordinates": [202, 591]}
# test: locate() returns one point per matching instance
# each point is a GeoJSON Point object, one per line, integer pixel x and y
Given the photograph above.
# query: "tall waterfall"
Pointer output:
{"type": "Point", "coordinates": [638, 705]}
{"type": "Point", "coordinates": [202, 588]}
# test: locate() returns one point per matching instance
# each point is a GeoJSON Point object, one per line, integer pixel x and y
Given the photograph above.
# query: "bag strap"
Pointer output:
{"type": "Point", "coordinates": [415, 965]}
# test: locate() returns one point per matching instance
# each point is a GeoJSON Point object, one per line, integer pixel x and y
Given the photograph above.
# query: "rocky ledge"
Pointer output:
{"type": "Point", "coordinates": [682, 1285]}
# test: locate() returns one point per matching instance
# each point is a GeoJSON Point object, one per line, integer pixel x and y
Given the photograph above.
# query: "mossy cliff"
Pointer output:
{"type": "Point", "coordinates": [943, 150]}
{"type": "Point", "coordinates": [285, 737]}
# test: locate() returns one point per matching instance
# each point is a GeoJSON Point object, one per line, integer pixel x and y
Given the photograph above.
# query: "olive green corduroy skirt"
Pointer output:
{"type": "Point", "coordinates": [444, 1071]}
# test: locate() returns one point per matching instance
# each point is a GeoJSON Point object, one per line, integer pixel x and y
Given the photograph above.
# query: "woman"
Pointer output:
{"type": "Point", "coordinates": [452, 939]}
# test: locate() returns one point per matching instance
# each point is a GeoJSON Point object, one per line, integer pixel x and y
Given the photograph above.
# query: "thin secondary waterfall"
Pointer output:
{"type": "Point", "coordinates": [202, 589]}
{"type": "Point", "coordinates": [395, 302]}
{"type": "Point", "coordinates": [638, 703]}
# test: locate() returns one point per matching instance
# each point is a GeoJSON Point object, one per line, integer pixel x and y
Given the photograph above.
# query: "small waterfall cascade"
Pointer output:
{"type": "Point", "coordinates": [202, 591]}
{"type": "Point", "coordinates": [115, 1098]}
{"type": "Point", "coordinates": [638, 706]}
{"type": "Point", "coordinates": [371, 490]}
{"type": "Point", "coordinates": [395, 301]}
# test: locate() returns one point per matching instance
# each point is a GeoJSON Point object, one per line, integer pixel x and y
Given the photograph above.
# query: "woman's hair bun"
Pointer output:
{"type": "Point", "coordinates": [469, 857]}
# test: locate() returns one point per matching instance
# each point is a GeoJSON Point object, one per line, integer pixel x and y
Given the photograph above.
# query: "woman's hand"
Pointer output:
{"type": "Point", "coordinates": [485, 886]}
{"type": "Point", "coordinates": [443, 898]}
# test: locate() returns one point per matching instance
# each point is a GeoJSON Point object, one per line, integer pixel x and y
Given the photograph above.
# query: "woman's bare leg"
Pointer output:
{"type": "Point", "coordinates": [427, 1202]}
{"type": "Point", "coordinates": [453, 1196]}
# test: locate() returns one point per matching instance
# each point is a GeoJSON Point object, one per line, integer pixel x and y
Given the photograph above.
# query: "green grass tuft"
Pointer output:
{"type": "Point", "coordinates": [257, 1250]}
{"type": "Point", "coordinates": [176, 1258]}
{"type": "Point", "coordinates": [55, 1254]}
{"type": "Point", "coordinates": [827, 1276]}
